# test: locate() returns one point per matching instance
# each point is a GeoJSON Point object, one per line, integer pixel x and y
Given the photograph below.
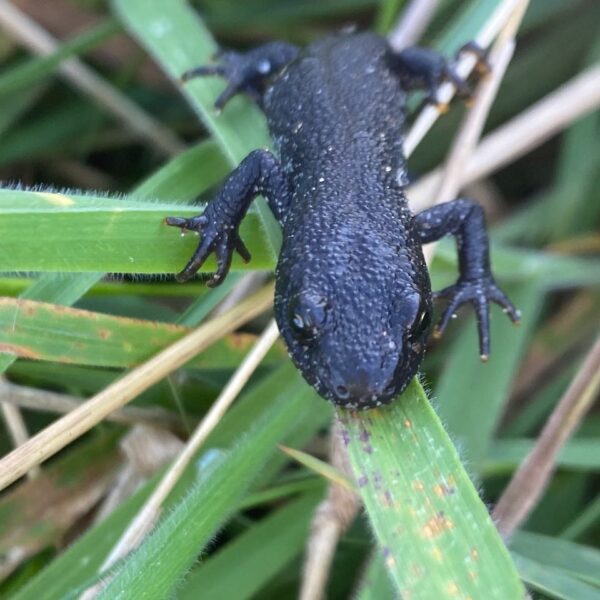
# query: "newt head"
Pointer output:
{"type": "Point", "coordinates": [356, 334]}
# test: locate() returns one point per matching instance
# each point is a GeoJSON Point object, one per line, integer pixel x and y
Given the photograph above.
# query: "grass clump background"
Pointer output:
{"type": "Point", "coordinates": [99, 144]}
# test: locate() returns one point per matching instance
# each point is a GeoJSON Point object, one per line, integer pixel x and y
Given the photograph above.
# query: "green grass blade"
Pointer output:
{"type": "Point", "coordinates": [514, 265]}
{"type": "Point", "coordinates": [580, 561]}
{"type": "Point", "coordinates": [63, 289]}
{"type": "Point", "coordinates": [35, 69]}
{"type": "Point", "coordinates": [178, 40]}
{"type": "Point", "coordinates": [386, 14]}
{"type": "Point", "coordinates": [437, 537]}
{"type": "Point", "coordinates": [375, 583]}
{"type": "Point", "coordinates": [232, 17]}
{"type": "Point", "coordinates": [258, 554]}
{"type": "Point", "coordinates": [468, 387]}
{"type": "Point", "coordinates": [586, 520]}
{"type": "Point", "coordinates": [203, 305]}
{"type": "Point", "coordinates": [55, 333]}
{"type": "Point", "coordinates": [197, 168]}
{"type": "Point", "coordinates": [13, 107]}
{"type": "Point", "coordinates": [79, 563]}
{"type": "Point", "coordinates": [579, 454]}
{"type": "Point", "coordinates": [66, 289]}
{"type": "Point", "coordinates": [91, 233]}
{"type": "Point", "coordinates": [158, 566]}
{"type": "Point", "coordinates": [552, 582]}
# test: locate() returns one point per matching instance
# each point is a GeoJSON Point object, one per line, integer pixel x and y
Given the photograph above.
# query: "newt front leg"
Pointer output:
{"type": "Point", "coordinates": [465, 220]}
{"type": "Point", "coordinates": [258, 174]}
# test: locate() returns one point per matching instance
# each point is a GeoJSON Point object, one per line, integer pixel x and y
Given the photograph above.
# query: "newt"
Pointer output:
{"type": "Point", "coordinates": [353, 298]}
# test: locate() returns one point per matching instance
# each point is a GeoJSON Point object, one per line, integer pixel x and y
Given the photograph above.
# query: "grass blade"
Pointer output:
{"type": "Point", "coordinates": [505, 455]}
{"type": "Point", "coordinates": [258, 554]}
{"type": "Point", "coordinates": [375, 583]}
{"type": "Point", "coordinates": [91, 233]}
{"type": "Point", "coordinates": [35, 69]}
{"type": "Point", "coordinates": [580, 561]}
{"type": "Point", "coordinates": [437, 537]}
{"type": "Point", "coordinates": [481, 390]}
{"type": "Point", "coordinates": [156, 568]}
{"type": "Point", "coordinates": [80, 562]}
{"type": "Point", "coordinates": [178, 40]}
{"type": "Point", "coordinates": [553, 583]}
{"type": "Point", "coordinates": [50, 332]}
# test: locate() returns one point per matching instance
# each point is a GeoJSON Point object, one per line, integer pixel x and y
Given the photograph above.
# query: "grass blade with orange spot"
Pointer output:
{"type": "Point", "coordinates": [50, 332]}
{"type": "Point", "coordinates": [435, 533]}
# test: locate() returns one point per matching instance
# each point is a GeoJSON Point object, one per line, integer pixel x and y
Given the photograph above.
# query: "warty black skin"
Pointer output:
{"type": "Point", "coordinates": [353, 299]}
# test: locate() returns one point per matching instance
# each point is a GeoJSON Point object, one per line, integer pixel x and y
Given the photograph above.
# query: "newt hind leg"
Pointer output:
{"type": "Point", "coordinates": [246, 72]}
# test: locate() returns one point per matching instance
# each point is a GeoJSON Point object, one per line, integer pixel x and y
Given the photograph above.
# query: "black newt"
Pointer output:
{"type": "Point", "coordinates": [353, 299]}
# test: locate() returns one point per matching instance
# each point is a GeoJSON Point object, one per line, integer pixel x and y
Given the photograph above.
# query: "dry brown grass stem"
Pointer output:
{"type": "Point", "coordinates": [464, 66]}
{"type": "Point", "coordinates": [533, 475]}
{"type": "Point", "coordinates": [468, 135]}
{"type": "Point", "coordinates": [27, 32]}
{"type": "Point", "coordinates": [45, 401]}
{"type": "Point", "coordinates": [413, 23]}
{"type": "Point", "coordinates": [546, 118]}
{"type": "Point", "coordinates": [17, 430]}
{"type": "Point", "coordinates": [331, 519]}
{"type": "Point", "coordinates": [90, 413]}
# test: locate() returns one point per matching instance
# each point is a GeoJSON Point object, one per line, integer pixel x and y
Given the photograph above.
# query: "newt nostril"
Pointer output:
{"type": "Point", "coordinates": [389, 390]}
{"type": "Point", "coordinates": [342, 392]}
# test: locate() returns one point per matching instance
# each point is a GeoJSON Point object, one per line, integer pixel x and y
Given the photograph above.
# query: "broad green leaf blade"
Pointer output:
{"type": "Point", "coordinates": [158, 566]}
{"type": "Point", "coordinates": [178, 40]}
{"type": "Point", "coordinates": [437, 538]}
{"type": "Point", "coordinates": [42, 331]}
{"type": "Point", "coordinates": [258, 554]}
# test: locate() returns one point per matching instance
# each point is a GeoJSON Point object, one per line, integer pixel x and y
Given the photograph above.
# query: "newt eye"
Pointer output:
{"type": "Point", "coordinates": [307, 317]}
{"type": "Point", "coordinates": [420, 326]}
{"type": "Point", "coordinates": [423, 323]}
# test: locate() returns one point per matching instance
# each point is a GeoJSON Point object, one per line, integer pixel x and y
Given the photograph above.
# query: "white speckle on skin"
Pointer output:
{"type": "Point", "coordinates": [264, 67]}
